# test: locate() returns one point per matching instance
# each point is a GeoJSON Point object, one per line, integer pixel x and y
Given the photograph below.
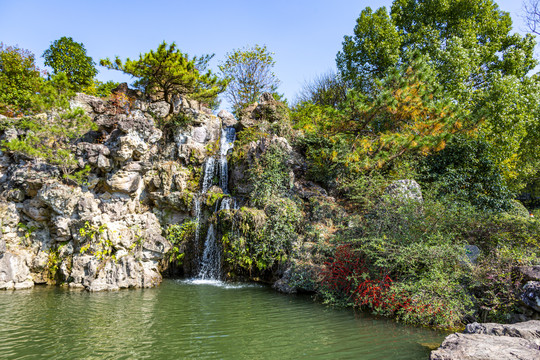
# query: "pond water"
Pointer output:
{"type": "Point", "coordinates": [190, 319]}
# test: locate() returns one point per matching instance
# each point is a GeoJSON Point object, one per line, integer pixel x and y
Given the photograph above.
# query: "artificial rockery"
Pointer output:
{"type": "Point", "coordinates": [114, 192]}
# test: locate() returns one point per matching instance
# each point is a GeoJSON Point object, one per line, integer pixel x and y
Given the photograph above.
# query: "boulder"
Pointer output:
{"type": "Point", "coordinates": [159, 109]}
{"type": "Point", "coordinates": [227, 119]}
{"type": "Point", "coordinates": [14, 274]}
{"type": "Point", "coordinates": [531, 295]}
{"type": "Point", "coordinates": [526, 330]}
{"type": "Point", "coordinates": [125, 182]}
{"type": "Point", "coordinates": [199, 134]}
{"type": "Point", "coordinates": [485, 347]}
{"type": "Point", "coordinates": [492, 341]}
{"type": "Point", "coordinates": [529, 273]}
{"type": "Point", "coordinates": [404, 190]}
{"type": "Point", "coordinates": [106, 275]}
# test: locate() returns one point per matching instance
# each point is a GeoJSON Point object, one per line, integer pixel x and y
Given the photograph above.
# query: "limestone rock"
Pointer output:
{"type": "Point", "coordinates": [526, 330]}
{"type": "Point", "coordinates": [159, 109]}
{"type": "Point", "coordinates": [126, 272]}
{"type": "Point", "coordinates": [485, 347]}
{"type": "Point", "coordinates": [95, 154]}
{"type": "Point", "coordinates": [88, 207]}
{"type": "Point", "coordinates": [404, 190]}
{"type": "Point", "coordinates": [530, 273]}
{"type": "Point", "coordinates": [31, 176]}
{"type": "Point", "coordinates": [60, 198]}
{"type": "Point", "coordinates": [492, 341]}
{"type": "Point", "coordinates": [227, 119]}
{"type": "Point", "coordinates": [125, 182]}
{"type": "Point", "coordinates": [14, 274]}
{"type": "Point", "coordinates": [199, 134]}
{"type": "Point", "coordinates": [36, 210]}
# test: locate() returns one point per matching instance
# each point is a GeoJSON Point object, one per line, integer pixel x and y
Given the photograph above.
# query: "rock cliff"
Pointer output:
{"type": "Point", "coordinates": [102, 230]}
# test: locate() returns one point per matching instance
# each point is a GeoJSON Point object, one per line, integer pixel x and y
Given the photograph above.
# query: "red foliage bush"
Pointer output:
{"type": "Point", "coordinates": [348, 276]}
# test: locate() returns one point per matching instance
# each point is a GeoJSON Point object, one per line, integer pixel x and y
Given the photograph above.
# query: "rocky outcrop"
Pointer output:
{"type": "Point", "coordinates": [267, 109]}
{"type": "Point", "coordinates": [531, 295]}
{"type": "Point", "coordinates": [492, 341]}
{"type": "Point", "coordinates": [404, 190]}
{"type": "Point", "coordinates": [105, 230]}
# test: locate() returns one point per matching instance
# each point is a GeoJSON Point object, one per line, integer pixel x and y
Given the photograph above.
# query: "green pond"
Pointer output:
{"type": "Point", "coordinates": [192, 319]}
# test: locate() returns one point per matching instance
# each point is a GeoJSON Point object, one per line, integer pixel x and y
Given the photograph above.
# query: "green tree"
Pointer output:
{"type": "Point", "coordinates": [374, 47]}
{"type": "Point", "coordinates": [476, 59]}
{"type": "Point", "coordinates": [20, 81]}
{"type": "Point", "coordinates": [409, 114]}
{"type": "Point", "coordinates": [326, 89]}
{"type": "Point", "coordinates": [249, 71]}
{"type": "Point", "coordinates": [466, 171]}
{"type": "Point", "coordinates": [67, 56]}
{"type": "Point", "coordinates": [167, 72]}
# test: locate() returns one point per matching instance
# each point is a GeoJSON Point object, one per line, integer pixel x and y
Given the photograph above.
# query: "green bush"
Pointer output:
{"type": "Point", "coordinates": [411, 263]}
{"type": "Point", "coordinates": [49, 138]}
{"type": "Point", "coordinates": [179, 235]}
{"type": "Point", "coordinates": [465, 170]}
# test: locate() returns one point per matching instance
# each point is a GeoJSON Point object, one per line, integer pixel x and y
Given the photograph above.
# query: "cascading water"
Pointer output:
{"type": "Point", "coordinates": [210, 262]}
{"type": "Point", "coordinates": [208, 177]}
{"type": "Point", "coordinates": [225, 204]}
{"type": "Point", "coordinates": [209, 171]}
{"type": "Point", "coordinates": [228, 135]}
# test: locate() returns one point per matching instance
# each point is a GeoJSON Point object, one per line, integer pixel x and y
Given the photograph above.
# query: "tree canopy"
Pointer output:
{"type": "Point", "coordinates": [249, 71]}
{"type": "Point", "coordinates": [67, 56]}
{"type": "Point", "coordinates": [20, 80]}
{"type": "Point", "coordinates": [481, 66]}
{"type": "Point", "coordinates": [167, 72]}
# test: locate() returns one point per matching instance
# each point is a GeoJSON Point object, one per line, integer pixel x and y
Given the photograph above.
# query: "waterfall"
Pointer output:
{"type": "Point", "coordinates": [197, 207]}
{"type": "Point", "coordinates": [226, 142]}
{"type": "Point", "coordinates": [209, 267]}
{"type": "Point", "coordinates": [225, 204]}
{"type": "Point", "coordinates": [209, 171]}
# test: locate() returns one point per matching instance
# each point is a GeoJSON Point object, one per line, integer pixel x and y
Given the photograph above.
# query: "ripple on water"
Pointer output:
{"type": "Point", "coordinates": [197, 320]}
{"type": "Point", "coordinates": [217, 283]}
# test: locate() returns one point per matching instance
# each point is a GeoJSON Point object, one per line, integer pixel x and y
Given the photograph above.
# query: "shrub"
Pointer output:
{"type": "Point", "coordinates": [179, 235]}
{"type": "Point", "coordinates": [49, 139]}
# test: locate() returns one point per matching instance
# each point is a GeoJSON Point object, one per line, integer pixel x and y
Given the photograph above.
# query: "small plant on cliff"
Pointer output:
{"type": "Point", "coordinates": [167, 72]}
{"type": "Point", "coordinates": [50, 138]}
{"type": "Point", "coordinates": [178, 235]}
{"type": "Point", "coordinates": [269, 175]}
{"type": "Point", "coordinates": [94, 235]}
{"type": "Point", "coordinates": [52, 264]}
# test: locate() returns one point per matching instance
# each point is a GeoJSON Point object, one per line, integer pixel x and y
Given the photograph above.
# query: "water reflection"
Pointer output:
{"type": "Point", "coordinates": [192, 320]}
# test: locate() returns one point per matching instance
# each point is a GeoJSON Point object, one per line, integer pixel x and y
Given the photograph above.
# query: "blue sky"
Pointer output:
{"type": "Point", "coordinates": [304, 35]}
